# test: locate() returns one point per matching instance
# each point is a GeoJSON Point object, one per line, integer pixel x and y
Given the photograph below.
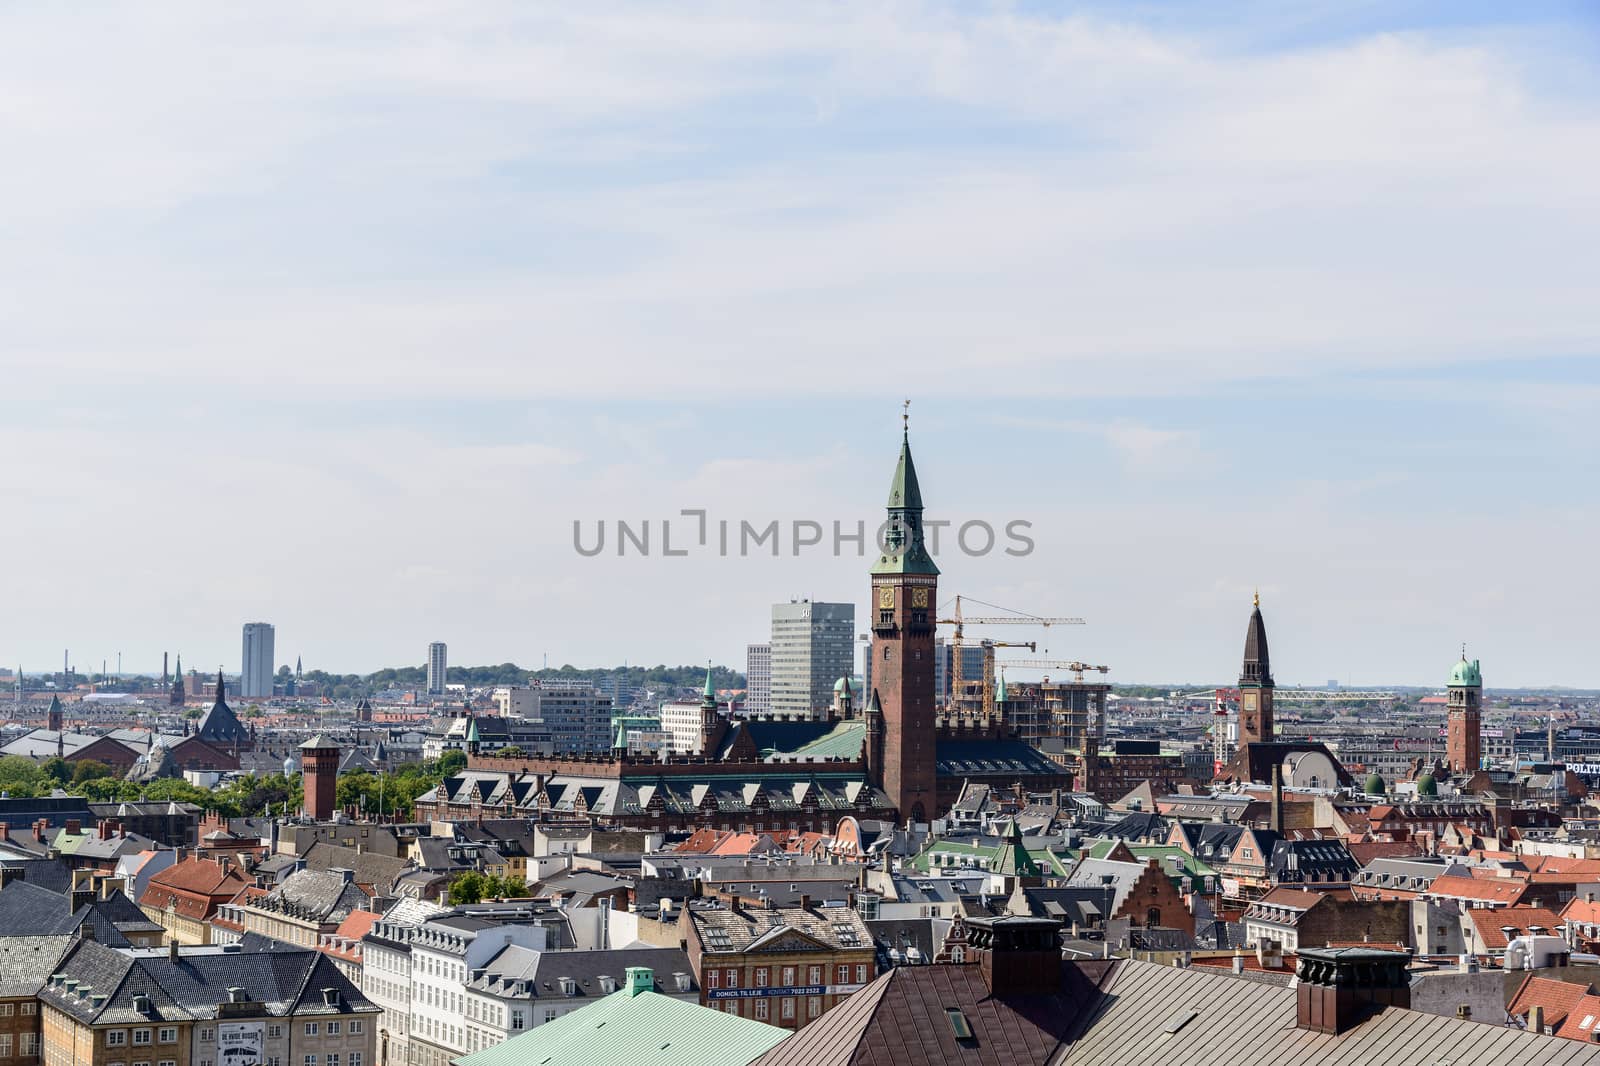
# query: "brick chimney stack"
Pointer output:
{"type": "Point", "coordinates": [1339, 988]}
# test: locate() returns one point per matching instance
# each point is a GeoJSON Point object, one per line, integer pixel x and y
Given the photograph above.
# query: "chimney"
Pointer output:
{"type": "Point", "coordinates": [5, 831]}
{"type": "Point", "coordinates": [74, 826]}
{"type": "Point", "coordinates": [640, 979]}
{"type": "Point", "coordinates": [103, 830]}
{"type": "Point", "coordinates": [1339, 988]}
{"type": "Point", "coordinates": [1018, 953]}
{"type": "Point", "coordinates": [172, 950]}
{"type": "Point", "coordinates": [1238, 961]}
{"type": "Point", "coordinates": [1535, 1019]}
{"type": "Point", "coordinates": [1277, 798]}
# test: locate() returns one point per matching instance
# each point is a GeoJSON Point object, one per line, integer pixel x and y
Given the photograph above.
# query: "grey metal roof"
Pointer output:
{"type": "Point", "coordinates": [1161, 1014]}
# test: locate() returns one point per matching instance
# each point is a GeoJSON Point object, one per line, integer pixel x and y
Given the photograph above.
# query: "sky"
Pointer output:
{"type": "Point", "coordinates": [341, 318]}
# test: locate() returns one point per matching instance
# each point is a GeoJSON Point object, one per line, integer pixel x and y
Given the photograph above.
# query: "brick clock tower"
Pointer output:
{"type": "Point", "coordinates": [1255, 683]}
{"type": "Point", "coordinates": [319, 768]}
{"type": "Point", "coordinates": [1464, 732]}
{"type": "Point", "coordinates": [905, 586]}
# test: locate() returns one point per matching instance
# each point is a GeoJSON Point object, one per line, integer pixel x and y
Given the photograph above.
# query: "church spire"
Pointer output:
{"type": "Point", "coordinates": [903, 549]}
{"type": "Point", "coordinates": [1256, 669]}
{"type": "Point", "coordinates": [222, 690]}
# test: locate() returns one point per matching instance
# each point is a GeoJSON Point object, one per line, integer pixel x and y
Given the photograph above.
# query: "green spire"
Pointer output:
{"type": "Point", "coordinates": [472, 731]}
{"type": "Point", "coordinates": [622, 736]}
{"type": "Point", "coordinates": [902, 536]}
{"type": "Point", "coordinates": [1000, 689]}
{"type": "Point", "coordinates": [711, 690]}
{"type": "Point", "coordinates": [904, 492]}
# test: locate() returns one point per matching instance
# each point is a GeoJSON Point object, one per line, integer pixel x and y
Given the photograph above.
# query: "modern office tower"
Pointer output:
{"type": "Point", "coordinates": [575, 714]}
{"type": "Point", "coordinates": [438, 662]}
{"type": "Point", "coordinates": [813, 645]}
{"type": "Point", "coordinates": [758, 679]}
{"type": "Point", "coordinates": [255, 678]}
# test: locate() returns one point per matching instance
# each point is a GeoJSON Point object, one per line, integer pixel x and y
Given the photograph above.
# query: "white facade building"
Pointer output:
{"type": "Point", "coordinates": [758, 679]}
{"type": "Point", "coordinates": [255, 678]}
{"type": "Point", "coordinates": [386, 975]}
{"type": "Point", "coordinates": [444, 951]}
{"type": "Point", "coordinates": [681, 719]}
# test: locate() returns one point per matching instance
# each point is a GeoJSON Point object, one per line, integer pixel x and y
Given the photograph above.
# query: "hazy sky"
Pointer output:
{"type": "Point", "coordinates": [339, 320]}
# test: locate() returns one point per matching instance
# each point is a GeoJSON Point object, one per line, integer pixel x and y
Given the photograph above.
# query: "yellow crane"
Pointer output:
{"type": "Point", "coordinates": [1078, 669]}
{"type": "Point", "coordinates": [957, 641]}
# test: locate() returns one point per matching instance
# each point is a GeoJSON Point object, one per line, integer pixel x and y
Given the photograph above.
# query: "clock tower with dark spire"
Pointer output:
{"type": "Point", "coordinates": [1255, 682]}
{"type": "Point", "coordinates": [905, 586]}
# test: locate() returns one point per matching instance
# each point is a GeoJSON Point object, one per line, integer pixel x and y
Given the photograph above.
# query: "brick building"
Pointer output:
{"type": "Point", "coordinates": [781, 965]}
{"type": "Point", "coordinates": [184, 897]}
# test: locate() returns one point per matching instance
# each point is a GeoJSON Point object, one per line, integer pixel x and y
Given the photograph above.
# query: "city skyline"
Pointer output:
{"type": "Point", "coordinates": [1297, 300]}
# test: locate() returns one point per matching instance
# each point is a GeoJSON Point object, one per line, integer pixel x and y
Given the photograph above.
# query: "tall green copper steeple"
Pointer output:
{"type": "Point", "coordinates": [903, 549]}
{"type": "Point", "coordinates": [709, 697]}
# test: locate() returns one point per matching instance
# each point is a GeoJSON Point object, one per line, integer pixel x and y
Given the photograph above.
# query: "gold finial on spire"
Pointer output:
{"type": "Point", "coordinates": [905, 419]}
{"type": "Point", "coordinates": [1257, 601]}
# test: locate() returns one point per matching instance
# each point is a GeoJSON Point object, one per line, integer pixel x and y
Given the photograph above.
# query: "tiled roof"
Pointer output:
{"type": "Point", "coordinates": [25, 962]}
{"type": "Point", "coordinates": [286, 982]}
{"type": "Point", "coordinates": [728, 930]}
{"type": "Point", "coordinates": [1489, 921]}
{"type": "Point", "coordinates": [1493, 890]}
{"type": "Point", "coordinates": [1556, 997]}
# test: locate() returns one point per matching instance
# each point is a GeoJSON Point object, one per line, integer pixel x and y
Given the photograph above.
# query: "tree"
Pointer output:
{"type": "Point", "coordinates": [511, 751]}
{"type": "Point", "coordinates": [57, 769]}
{"type": "Point", "coordinates": [89, 770]}
{"type": "Point", "coordinates": [193, 712]}
{"type": "Point", "coordinates": [467, 888]}
{"type": "Point", "coordinates": [452, 762]}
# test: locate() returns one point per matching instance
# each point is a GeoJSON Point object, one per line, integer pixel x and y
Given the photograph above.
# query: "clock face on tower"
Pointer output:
{"type": "Point", "coordinates": [919, 597]}
{"type": "Point", "coordinates": [1249, 701]}
{"type": "Point", "coordinates": [886, 598]}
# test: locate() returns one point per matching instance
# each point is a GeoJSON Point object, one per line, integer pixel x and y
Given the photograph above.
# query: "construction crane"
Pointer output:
{"type": "Point", "coordinates": [959, 639]}
{"type": "Point", "coordinates": [988, 647]}
{"type": "Point", "coordinates": [1078, 669]}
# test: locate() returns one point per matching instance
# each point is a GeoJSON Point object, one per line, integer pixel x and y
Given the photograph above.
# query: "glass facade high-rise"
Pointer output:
{"type": "Point", "coordinates": [255, 678]}
{"type": "Point", "coordinates": [438, 664]}
{"type": "Point", "coordinates": [813, 645]}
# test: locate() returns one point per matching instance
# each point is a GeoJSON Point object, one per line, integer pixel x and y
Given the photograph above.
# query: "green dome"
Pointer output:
{"type": "Point", "coordinates": [842, 685]}
{"type": "Point", "coordinates": [1466, 673]}
{"type": "Point", "coordinates": [1375, 785]}
{"type": "Point", "coordinates": [1427, 786]}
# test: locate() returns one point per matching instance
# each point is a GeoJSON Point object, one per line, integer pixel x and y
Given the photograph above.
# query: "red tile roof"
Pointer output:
{"type": "Point", "coordinates": [1556, 997]}
{"type": "Point", "coordinates": [1489, 922]}
{"type": "Point", "coordinates": [1491, 889]}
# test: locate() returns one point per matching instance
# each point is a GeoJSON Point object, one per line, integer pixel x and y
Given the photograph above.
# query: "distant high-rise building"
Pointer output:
{"type": "Point", "coordinates": [758, 679]}
{"type": "Point", "coordinates": [255, 679]}
{"type": "Point", "coordinates": [575, 713]}
{"type": "Point", "coordinates": [812, 647]}
{"type": "Point", "coordinates": [438, 663]}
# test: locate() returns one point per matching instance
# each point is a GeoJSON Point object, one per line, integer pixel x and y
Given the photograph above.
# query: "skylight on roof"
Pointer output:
{"type": "Point", "coordinates": [958, 1023]}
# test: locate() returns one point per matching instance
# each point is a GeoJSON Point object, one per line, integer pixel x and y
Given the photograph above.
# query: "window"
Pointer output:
{"type": "Point", "coordinates": [5, 1045]}
{"type": "Point", "coordinates": [516, 1019]}
{"type": "Point", "coordinates": [333, 1028]}
{"type": "Point", "coordinates": [813, 1006]}
{"type": "Point", "coordinates": [356, 1030]}
{"type": "Point", "coordinates": [141, 1037]}
{"type": "Point", "coordinates": [333, 1060]}
{"type": "Point", "coordinates": [713, 978]}
{"type": "Point", "coordinates": [28, 1008]}
{"type": "Point", "coordinates": [788, 977]}
{"type": "Point", "coordinates": [28, 1044]}
{"type": "Point", "coordinates": [167, 1036]}
{"type": "Point", "coordinates": [311, 1028]}
{"type": "Point", "coordinates": [843, 975]}
{"type": "Point", "coordinates": [274, 1032]}
{"type": "Point", "coordinates": [5, 1010]}
{"type": "Point", "coordinates": [549, 1014]}
{"type": "Point", "coordinates": [173, 1062]}
{"type": "Point", "coordinates": [116, 1037]}
{"type": "Point", "coordinates": [814, 975]}
{"type": "Point", "coordinates": [761, 1010]}
{"type": "Point", "coordinates": [761, 977]}
{"type": "Point", "coordinates": [958, 954]}
{"type": "Point", "coordinates": [733, 978]}
{"type": "Point", "coordinates": [208, 1035]}
{"type": "Point", "coordinates": [310, 1060]}
{"type": "Point", "coordinates": [355, 1058]}
{"type": "Point", "coordinates": [861, 973]}
{"type": "Point", "coordinates": [786, 1008]}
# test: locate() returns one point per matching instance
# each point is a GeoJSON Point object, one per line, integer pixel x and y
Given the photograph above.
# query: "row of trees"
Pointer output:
{"type": "Point", "coordinates": [392, 793]}
{"type": "Point", "coordinates": [344, 686]}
